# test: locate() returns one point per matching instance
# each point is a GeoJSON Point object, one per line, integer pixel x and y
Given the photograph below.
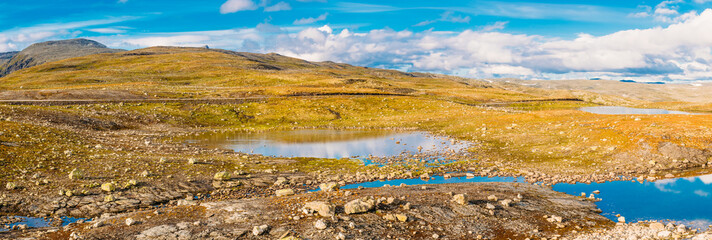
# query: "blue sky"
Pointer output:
{"type": "Point", "coordinates": [643, 40]}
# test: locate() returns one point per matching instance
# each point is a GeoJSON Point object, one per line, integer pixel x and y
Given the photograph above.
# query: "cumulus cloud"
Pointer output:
{"type": "Point", "coordinates": [311, 20]}
{"type": "Point", "coordinates": [232, 6]}
{"type": "Point", "coordinates": [680, 51]}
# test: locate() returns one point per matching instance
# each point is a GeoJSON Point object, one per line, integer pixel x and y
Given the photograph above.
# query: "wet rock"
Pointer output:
{"type": "Point", "coordinates": [360, 205]}
{"type": "Point", "coordinates": [76, 174]}
{"type": "Point", "coordinates": [320, 224]}
{"type": "Point", "coordinates": [222, 176]}
{"type": "Point", "coordinates": [460, 199]}
{"type": "Point", "coordinates": [108, 187]}
{"type": "Point", "coordinates": [284, 192]}
{"type": "Point", "coordinates": [323, 208]}
{"type": "Point", "coordinates": [328, 187]}
{"type": "Point", "coordinates": [259, 230]}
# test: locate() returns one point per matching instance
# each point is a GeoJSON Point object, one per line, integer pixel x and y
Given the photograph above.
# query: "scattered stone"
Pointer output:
{"type": "Point", "coordinates": [222, 176]}
{"type": "Point", "coordinates": [259, 230]}
{"type": "Point", "coordinates": [328, 187]}
{"type": "Point", "coordinates": [145, 173]}
{"type": "Point", "coordinates": [192, 161]}
{"type": "Point", "coordinates": [320, 224]}
{"type": "Point", "coordinates": [130, 221]}
{"type": "Point", "coordinates": [490, 206]}
{"type": "Point", "coordinates": [664, 234]}
{"type": "Point", "coordinates": [323, 208]}
{"type": "Point", "coordinates": [506, 203]}
{"type": "Point", "coordinates": [469, 175]}
{"type": "Point", "coordinates": [10, 186]}
{"type": "Point", "coordinates": [492, 198]}
{"type": "Point", "coordinates": [284, 192]}
{"type": "Point", "coordinates": [425, 176]}
{"type": "Point", "coordinates": [460, 199]}
{"type": "Point", "coordinates": [656, 226]}
{"type": "Point", "coordinates": [621, 219]}
{"type": "Point", "coordinates": [360, 205]}
{"type": "Point", "coordinates": [76, 174]}
{"type": "Point", "coordinates": [401, 217]}
{"type": "Point", "coordinates": [108, 187]}
{"type": "Point", "coordinates": [109, 198]}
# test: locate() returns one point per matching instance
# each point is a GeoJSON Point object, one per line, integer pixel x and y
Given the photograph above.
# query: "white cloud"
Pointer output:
{"type": "Point", "coordinates": [232, 6]}
{"type": "Point", "coordinates": [447, 16]}
{"type": "Point", "coordinates": [18, 38]}
{"type": "Point", "coordinates": [107, 30]}
{"type": "Point", "coordinates": [280, 6]}
{"type": "Point", "coordinates": [122, 1]}
{"type": "Point", "coordinates": [311, 20]}
{"type": "Point", "coordinates": [496, 26]}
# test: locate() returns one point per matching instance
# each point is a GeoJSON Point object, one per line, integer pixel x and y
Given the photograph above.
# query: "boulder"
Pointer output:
{"type": "Point", "coordinates": [284, 192]}
{"type": "Point", "coordinates": [259, 230]}
{"type": "Point", "coordinates": [76, 174]}
{"type": "Point", "coordinates": [323, 208]}
{"type": "Point", "coordinates": [460, 199]}
{"type": "Point", "coordinates": [108, 187]}
{"type": "Point", "coordinates": [328, 187]}
{"type": "Point", "coordinates": [222, 176]}
{"type": "Point", "coordinates": [360, 205]}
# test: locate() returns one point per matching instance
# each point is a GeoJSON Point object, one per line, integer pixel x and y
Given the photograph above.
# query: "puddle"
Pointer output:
{"type": "Point", "coordinates": [682, 200]}
{"type": "Point", "coordinates": [33, 222]}
{"type": "Point", "coordinates": [335, 144]}
{"type": "Point", "coordinates": [626, 110]}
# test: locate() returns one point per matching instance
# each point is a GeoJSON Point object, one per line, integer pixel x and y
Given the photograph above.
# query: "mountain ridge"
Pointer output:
{"type": "Point", "coordinates": [50, 51]}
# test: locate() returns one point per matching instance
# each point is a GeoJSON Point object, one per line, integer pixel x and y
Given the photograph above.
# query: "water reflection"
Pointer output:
{"type": "Point", "coordinates": [35, 222]}
{"type": "Point", "coordinates": [679, 199]}
{"type": "Point", "coordinates": [626, 110]}
{"type": "Point", "coordinates": [330, 143]}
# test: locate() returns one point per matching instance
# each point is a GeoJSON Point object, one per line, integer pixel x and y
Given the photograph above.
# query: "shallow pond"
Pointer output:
{"type": "Point", "coordinates": [683, 200]}
{"type": "Point", "coordinates": [610, 110]}
{"type": "Point", "coordinates": [33, 222]}
{"type": "Point", "coordinates": [358, 144]}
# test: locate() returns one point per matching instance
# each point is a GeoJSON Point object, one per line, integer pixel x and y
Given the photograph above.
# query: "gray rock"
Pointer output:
{"type": "Point", "coordinates": [323, 208]}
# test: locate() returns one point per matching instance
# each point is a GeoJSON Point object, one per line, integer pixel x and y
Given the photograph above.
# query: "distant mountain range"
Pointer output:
{"type": "Point", "coordinates": [44, 52]}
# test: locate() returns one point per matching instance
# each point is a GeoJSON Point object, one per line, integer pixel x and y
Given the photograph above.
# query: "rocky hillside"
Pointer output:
{"type": "Point", "coordinates": [6, 56]}
{"type": "Point", "coordinates": [44, 52]}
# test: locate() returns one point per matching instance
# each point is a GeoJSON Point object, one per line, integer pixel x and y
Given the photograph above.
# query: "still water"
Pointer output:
{"type": "Point", "coordinates": [684, 200]}
{"type": "Point", "coordinates": [609, 110]}
{"type": "Point", "coordinates": [358, 144]}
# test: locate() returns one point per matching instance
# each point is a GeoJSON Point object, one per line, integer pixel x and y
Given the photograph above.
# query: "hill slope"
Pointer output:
{"type": "Point", "coordinates": [44, 52]}
{"type": "Point", "coordinates": [173, 72]}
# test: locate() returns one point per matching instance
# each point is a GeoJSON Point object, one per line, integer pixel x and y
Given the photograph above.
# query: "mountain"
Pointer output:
{"type": "Point", "coordinates": [6, 56]}
{"type": "Point", "coordinates": [44, 52]}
